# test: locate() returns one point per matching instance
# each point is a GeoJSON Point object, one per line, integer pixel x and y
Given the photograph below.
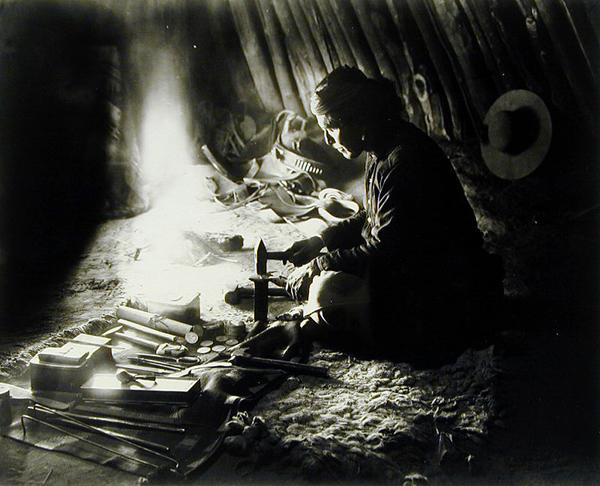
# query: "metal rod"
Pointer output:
{"type": "Point", "coordinates": [161, 364]}
{"type": "Point", "coordinates": [101, 431]}
{"type": "Point", "coordinates": [143, 369]}
{"type": "Point", "coordinates": [84, 439]}
{"type": "Point", "coordinates": [289, 366]}
{"type": "Point", "coordinates": [127, 423]}
{"type": "Point", "coordinates": [142, 442]}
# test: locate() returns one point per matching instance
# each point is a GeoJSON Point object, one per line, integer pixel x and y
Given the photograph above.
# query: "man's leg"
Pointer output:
{"type": "Point", "coordinates": [338, 309]}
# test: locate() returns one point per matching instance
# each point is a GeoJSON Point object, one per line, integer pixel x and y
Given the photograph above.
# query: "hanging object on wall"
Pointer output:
{"type": "Point", "coordinates": [519, 132]}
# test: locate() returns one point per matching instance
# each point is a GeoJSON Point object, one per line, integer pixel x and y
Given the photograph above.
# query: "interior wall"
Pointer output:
{"type": "Point", "coordinates": [449, 58]}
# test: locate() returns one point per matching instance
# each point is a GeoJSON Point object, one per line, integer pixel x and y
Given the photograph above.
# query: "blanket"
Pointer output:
{"type": "Point", "coordinates": [374, 420]}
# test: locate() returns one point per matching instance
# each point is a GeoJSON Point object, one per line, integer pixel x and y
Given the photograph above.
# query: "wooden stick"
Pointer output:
{"type": "Point", "coordinates": [355, 38]}
{"type": "Point", "coordinates": [318, 31]}
{"type": "Point", "coordinates": [298, 52]}
{"type": "Point", "coordinates": [388, 40]}
{"type": "Point", "coordinates": [336, 33]}
{"type": "Point", "coordinates": [373, 41]}
{"type": "Point", "coordinates": [417, 14]}
{"type": "Point", "coordinates": [223, 30]}
{"type": "Point", "coordinates": [570, 56]}
{"type": "Point", "coordinates": [319, 68]}
{"type": "Point", "coordinates": [256, 55]}
{"type": "Point", "coordinates": [467, 61]}
{"type": "Point", "coordinates": [280, 62]}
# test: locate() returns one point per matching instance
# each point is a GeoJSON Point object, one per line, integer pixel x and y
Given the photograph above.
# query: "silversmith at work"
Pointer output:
{"type": "Point", "coordinates": [406, 276]}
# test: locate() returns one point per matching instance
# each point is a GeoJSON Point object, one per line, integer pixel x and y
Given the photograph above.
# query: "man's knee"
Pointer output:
{"type": "Point", "coordinates": [330, 288]}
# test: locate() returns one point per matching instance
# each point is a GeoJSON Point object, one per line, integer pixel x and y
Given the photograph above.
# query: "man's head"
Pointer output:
{"type": "Point", "coordinates": [351, 107]}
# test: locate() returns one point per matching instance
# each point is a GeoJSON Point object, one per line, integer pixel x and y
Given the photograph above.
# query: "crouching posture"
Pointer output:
{"type": "Point", "coordinates": [407, 276]}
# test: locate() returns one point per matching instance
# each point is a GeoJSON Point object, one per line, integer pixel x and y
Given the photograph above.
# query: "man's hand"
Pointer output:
{"type": "Point", "coordinates": [299, 281]}
{"type": "Point", "coordinates": [303, 251]}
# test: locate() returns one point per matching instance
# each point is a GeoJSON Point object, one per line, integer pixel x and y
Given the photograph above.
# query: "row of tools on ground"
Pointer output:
{"type": "Point", "coordinates": [140, 379]}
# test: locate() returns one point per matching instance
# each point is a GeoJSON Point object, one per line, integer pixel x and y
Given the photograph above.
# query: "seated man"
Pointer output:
{"type": "Point", "coordinates": [406, 277]}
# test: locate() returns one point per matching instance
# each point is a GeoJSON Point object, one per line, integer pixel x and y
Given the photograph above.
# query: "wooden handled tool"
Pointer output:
{"type": "Point", "coordinates": [234, 296]}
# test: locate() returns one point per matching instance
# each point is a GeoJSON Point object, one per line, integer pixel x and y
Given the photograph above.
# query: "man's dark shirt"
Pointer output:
{"type": "Point", "coordinates": [416, 224]}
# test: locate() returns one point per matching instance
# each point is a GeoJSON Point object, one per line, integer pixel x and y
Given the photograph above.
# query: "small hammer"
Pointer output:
{"type": "Point", "coordinates": [233, 297]}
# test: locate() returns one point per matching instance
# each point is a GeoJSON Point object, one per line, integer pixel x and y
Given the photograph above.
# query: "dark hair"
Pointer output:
{"type": "Point", "coordinates": [347, 95]}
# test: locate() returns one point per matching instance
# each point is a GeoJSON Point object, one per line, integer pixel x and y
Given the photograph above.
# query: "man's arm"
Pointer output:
{"type": "Point", "coordinates": [391, 237]}
{"type": "Point", "coordinates": [345, 234]}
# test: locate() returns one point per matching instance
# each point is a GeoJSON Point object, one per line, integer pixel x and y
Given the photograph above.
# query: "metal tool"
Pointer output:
{"type": "Point", "coordinates": [289, 366]}
{"type": "Point", "coordinates": [69, 419]}
{"type": "Point", "coordinates": [126, 377]}
{"type": "Point", "coordinates": [92, 428]}
{"type": "Point", "coordinates": [83, 439]}
{"type": "Point", "coordinates": [126, 423]}
{"type": "Point", "coordinates": [183, 360]}
{"type": "Point", "coordinates": [173, 366]}
{"type": "Point", "coordinates": [234, 296]}
{"type": "Point", "coordinates": [261, 279]}
{"type": "Point", "coordinates": [143, 369]}
{"type": "Point", "coordinates": [170, 349]}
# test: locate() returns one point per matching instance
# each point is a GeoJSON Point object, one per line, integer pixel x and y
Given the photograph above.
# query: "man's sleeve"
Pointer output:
{"type": "Point", "coordinates": [345, 234]}
{"type": "Point", "coordinates": [384, 246]}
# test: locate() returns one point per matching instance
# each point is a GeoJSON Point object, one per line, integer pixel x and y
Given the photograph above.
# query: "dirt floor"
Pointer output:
{"type": "Point", "coordinates": [544, 428]}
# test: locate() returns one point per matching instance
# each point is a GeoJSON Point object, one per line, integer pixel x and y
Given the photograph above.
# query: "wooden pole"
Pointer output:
{"type": "Point", "coordinates": [570, 56]}
{"type": "Point", "coordinates": [280, 62]}
{"type": "Point", "coordinates": [469, 65]}
{"type": "Point", "coordinates": [319, 68]}
{"type": "Point", "coordinates": [374, 41]}
{"type": "Point", "coordinates": [298, 54]}
{"type": "Point", "coordinates": [388, 41]}
{"type": "Point", "coordinates": [505, 67]}
{"type": "Point", "coordinates": [355, 38]}
{"type": "Point", "coordinates": [229, 50]}
{"type": "Point", "coordinates": [336, 34]}
{"type": "Point", "coordinates": [319, 33]}
{"type": "Point", "coordinates": [256, 55]}
{"type": "Point", "coordinates": [415, 13]}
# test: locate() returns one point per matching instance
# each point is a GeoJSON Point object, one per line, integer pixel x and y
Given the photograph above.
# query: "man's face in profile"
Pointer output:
{"type": "Point", "coordinates": [347, 139]}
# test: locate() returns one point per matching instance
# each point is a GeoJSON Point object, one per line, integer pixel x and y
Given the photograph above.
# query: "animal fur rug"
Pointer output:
{"type": "Point", "coordinates": [372, 421]}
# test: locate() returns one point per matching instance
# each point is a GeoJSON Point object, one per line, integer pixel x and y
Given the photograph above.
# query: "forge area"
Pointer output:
{"type": "Point", "coordinates": [134, 134]}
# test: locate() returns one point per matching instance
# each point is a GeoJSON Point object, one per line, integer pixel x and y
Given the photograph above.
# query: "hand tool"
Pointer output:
{"type": "Point", "coordinates": [162, 364]}
{"type": "Point", "coordinates": [289, 366]}
{"type": "Point", "coordinates": [125, 423]}
{"type": "Point", "coordinates": [108, 433]}
{"type": "Point", "coordinates": [234, 296]}
{"type": "Point", "coordinates": [112, 433]}
{"type": "Point", "coordinates": [183, 360]}
{"type": "Point", "coordinates": [126, 378]}
{"type": "Point", "coordinates": [169, 349]}
{"type": "Point", "coordinates": [143, 369]}
{"type": "Point", "coordinates": [83, 439]}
